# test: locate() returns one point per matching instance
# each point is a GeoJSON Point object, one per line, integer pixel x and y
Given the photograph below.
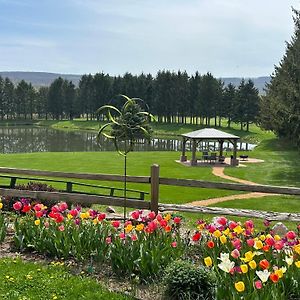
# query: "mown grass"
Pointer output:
{"type": "Point", "coordinates": [281, 166]}
{"type": "Point", "coordinates": [33, 281]}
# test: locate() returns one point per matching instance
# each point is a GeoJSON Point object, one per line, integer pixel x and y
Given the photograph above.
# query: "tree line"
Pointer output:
{"type": "Point", "coordinates": [280, 107]}
{"type": "Point", "coordinates": [174, 97]}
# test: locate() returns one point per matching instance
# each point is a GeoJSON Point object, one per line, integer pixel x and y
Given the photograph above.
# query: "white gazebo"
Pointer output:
{"type": "Point", "coordinates": [208, 134]}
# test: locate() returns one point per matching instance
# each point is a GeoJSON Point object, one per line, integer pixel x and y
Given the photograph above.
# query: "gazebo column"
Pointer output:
{"type": "Point", "coordinates": [194, 146]}
{"type": "Point", "coordinates": [221, 142]}
{"type": "Point", "coordinates": [234, 160]}
{"type": "Point", "coordinates": [183, 157]}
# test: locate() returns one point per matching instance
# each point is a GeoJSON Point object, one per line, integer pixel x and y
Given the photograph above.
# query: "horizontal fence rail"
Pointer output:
{"type": "Point", "coordinates": [88, 176]}
{"type": "Point", "coordinates": [155, 181]}
{"type": "Point", "coordinates": [76, 198]}
{"type": "Point", "coordinates": [230, 186]}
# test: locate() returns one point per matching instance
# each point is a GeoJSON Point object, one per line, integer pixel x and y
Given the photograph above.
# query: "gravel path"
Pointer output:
{"type": "Point", "coordinates": [219, 171]}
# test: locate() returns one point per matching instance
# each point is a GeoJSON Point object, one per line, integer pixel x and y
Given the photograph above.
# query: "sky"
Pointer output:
{"type": "Point", "coordinates": [229, 38]}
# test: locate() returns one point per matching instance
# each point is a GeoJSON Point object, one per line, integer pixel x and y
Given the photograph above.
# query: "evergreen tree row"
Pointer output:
{"type": "Point", "coordinates": [280, 108]}
{"type": "Point", "coordinates": [174, 97]}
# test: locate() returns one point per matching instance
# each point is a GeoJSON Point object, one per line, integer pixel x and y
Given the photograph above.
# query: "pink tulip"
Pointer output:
{"type": "Point", "coordinates": [250, 242]}
{"type": "Point", "coordinates": [235, 253]}
{"type": "Point", "coordinates": [258, 284]}
{"type": "Point", "coordinates": [174, 244]}
{"type": "Point", "coordinates": [222, 221]}
{"type": "Point", "coordinates": [133, 237]}
{"type": "Point", "coordinates": [177, 220]}
{"type": "Point", "coordinates": [291, 235]}
{"type": "Point", "coordinates": [108, 240]}
{"type": "Point", "coordinates": [122, 235]}
{"type": "Point", "coordinates": [61, 228]}
{"type": "Point", "coordinates": [17, 205]}
{"type": "Point", "coordinates": [116, 224]}
{"type": "Point", "coordinates": [135, 214]}
{"type": "Point", "coordinates": [151, 215]}
{"type": "Point", "coordinates": [232, 225]}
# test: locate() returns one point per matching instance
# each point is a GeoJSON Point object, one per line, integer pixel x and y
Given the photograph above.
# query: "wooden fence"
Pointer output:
{"type": "Point", "coordinates": [155, 181]}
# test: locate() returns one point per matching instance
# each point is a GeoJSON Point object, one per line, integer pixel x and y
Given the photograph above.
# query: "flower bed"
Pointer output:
{"type": "Point", "coordinates": [246, 263]}
{"type": "Point", "coordinates": [250, 264]}
{"type": "Point", "coordinates": [141, 247]}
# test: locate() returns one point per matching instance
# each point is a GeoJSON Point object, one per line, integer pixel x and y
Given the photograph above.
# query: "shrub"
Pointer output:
{"type": "Point", "coordinates": [184, 280]}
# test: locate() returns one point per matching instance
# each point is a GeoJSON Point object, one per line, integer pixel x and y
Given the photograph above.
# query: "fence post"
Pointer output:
{"type": "Point", "coordinates": [154, 181]}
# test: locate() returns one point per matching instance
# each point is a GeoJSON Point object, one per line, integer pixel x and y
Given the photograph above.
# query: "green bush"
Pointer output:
{"type": "Point", "coordinates": [185, 281]}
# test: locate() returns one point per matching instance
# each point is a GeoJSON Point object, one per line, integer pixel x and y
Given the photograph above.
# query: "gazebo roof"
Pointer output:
{"type": "Point", "coordinates": [210, 133]}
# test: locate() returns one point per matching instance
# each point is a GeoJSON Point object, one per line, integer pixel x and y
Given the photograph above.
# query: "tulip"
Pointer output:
{"type": "Point", "coordinates": [223, 239]}
{"type": "Point", "coordinates": [208, 261]}
{"type": "Point", "coordinates": [17, 205]}
{"type": "Point", "coordinates": [291, 235]}
{"type": "Point", "coordinates": [239, 286]}
{"type": "Point", "coordinates": [274, 277]}
{"type": "Point", "coordinates": [135, 214]}
{"type": "Point", "coordinates": [244, 268]}
{"type": "Point", "coordinates": [297, 263]}
{"type": "Point", "coordinates": [151, 215]}
{"type": "Point", "coordinates": [263, 275]}
{"type": "Point", "coordinates": [264, 264]}
{"type": "Point", "coordinates": [174, 244]}
{"type": "Point", "coordinates": [210, 244]}
{"type": "Point", "coordinates": [252, 264]}
{"type": "Point", "coordinates": [222, 221]}
{"type": "Point", "coordinates": [177, 220]}
{"type": "Point", "coordinates": [235, 253]}
{"type": "Point", "coordinates": [258, 284]}
{"type": "Point", "coordinates": [196, 237]}
{"type": "Point", "coordinates": [37, 222]}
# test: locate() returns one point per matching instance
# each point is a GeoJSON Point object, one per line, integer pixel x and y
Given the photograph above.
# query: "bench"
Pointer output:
{"type": "Point", "coordinates": [244, 157]}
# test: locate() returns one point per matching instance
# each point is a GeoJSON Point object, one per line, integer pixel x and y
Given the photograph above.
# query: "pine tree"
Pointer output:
{"type": "Point", "coordinates": [280, 108]}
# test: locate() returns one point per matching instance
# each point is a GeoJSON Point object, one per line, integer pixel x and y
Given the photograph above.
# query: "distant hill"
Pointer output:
{"type": "Point", "coordinates": [38, 79]}
{"type": "Point", "coordinates": [259, 82]}
{"type": "Point", "coordinates": [45, 79]}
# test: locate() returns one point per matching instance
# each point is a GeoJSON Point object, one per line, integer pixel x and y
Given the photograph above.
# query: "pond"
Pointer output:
{"type": "Point", "coordinates": [16, 139]}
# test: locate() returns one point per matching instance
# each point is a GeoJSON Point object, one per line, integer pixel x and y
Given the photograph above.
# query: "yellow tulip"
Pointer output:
{"type": "Point", "coordinates": [139, 227]}
{"type": "Point", "coordinates": [244, 268]}
{"type": "Point", "coordinates": [223, 239]}
{"type": "Point", "coordinates": [262, 237]}
{"type": "Point", "coordinates": [277, 237]}
{"type": "Point", "coordinates": [217, 233]}
{"type": "Point", "coordinates": [37, 222]}
{"type": "Point", "coordinates": [252, 264]}
{"type": "Point", "coordinates": [208, 261]}
{"type": "Point", "coordinates": [167, 217]}
{"type": "Point", "coordinates": [226, 231]}
{"type": "Point", "coordinates": [128, 228]}
{"type": "Point", "coordinates": [248, 256]}
{"type": "Point", "coordinates": [1, 205]}
{"type": "Point", "coordinates": [279, 272]}
{"type": "Point", "coordinates": [297, 263]}
{"type": "Point", "coordinates": [69, 216]}
{"type": "Point", "coordinates": [297, 249]}
{"type": "Point", "coordinates": [238, 229]}
{"type": "Point", "coordinates": [95, 221]}
{"type": "Point", "coordinates": [258, 245]}
{"type": "Point", "coordinates": [239, 286]}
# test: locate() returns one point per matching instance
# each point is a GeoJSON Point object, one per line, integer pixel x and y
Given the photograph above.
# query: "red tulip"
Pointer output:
{"type": "Point", "coordinates": [264, 264]}
{"type": "Point", "coordinates": [177, 220]}
{"type": "Point", "coordinates": [196, 237]}
{"type": "Point", "coordinates": [274, 277]}
{"type": "Point", "coordinates": [210, 244]}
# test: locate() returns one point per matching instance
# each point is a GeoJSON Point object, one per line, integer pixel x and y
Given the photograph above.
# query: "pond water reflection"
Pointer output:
{"type": "Point", "coordinates": [44, 139]}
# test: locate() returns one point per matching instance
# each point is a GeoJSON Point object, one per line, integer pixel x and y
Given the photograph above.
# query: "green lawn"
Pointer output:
{"type": "Point", "coordinates": [33, 281]}
{"type": "Point", "coordinates": [281, 166]}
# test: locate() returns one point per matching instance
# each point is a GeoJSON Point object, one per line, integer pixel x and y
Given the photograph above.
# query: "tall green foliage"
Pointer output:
{"type": "Point", "coordinates": [280, 108]}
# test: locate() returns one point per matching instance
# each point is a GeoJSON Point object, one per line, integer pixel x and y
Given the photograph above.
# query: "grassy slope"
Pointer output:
{"type": "Point", "coordinates": [20, 280]}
